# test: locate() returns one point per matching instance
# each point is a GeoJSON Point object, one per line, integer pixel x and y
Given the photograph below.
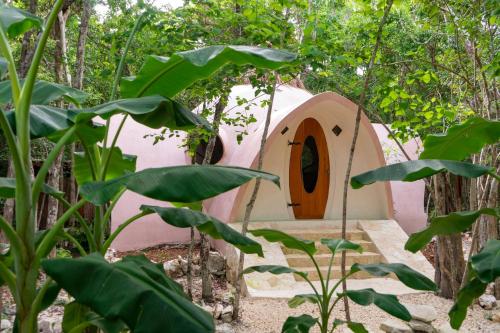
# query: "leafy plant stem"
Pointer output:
{"type": "Point", "coordinates": [76, 243]}
{"type": "Point", "coordinates": [22, 108]}
{"type": "Point", "coordinates": [11, 139]}
{"type": "Point", "coordinates": [7, 53]}
{"type": "Point", "coordinates": [90, 159]}
{"type": "Point", "coordinates": [39, 296]}
{"type": "Point", "coordinates": [14, 239]}
{"type": "Point", "coordinates": [47, 243]}
{"type": "Point", "coordinates": [107, 155]}
{"type": "Point", "coordinates": [84, 225]}
{"type": "Point", "coordinates": [98, 225]}
{"type": "Point", "coordinates": [114, 201]}
{"type": "Point", "coordinates": [8, 277]}
{"type": "Point", "coordinates": [122, 226]}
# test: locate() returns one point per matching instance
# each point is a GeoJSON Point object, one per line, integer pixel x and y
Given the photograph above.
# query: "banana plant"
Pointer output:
{"type": "Point", "coordinates": [132, 294]}
{"type": "Point", "coordinates": [324, 296]}
{"type": "Point", "coordinates": [444, 153]}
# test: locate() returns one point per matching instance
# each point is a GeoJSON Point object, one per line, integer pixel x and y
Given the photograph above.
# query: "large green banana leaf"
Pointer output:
{"type": "Point", "coordinates": [119, 165]}
{"type": "Point", "coordinates": [460, 141]}
{"type": "Point", "coordinates": [45, 92]}
{"type": "Point", "coordinates": [405, 274]}
{"type": "Point", "coordinates": [414, 170]}
{"type": "Point", "coordinates": [388, 303]}
{"type": "Point", "coordinates": [187, 183]}
{"type": "Point", "coordinates": [17, 21]}
{"type": "Point", "coordinates": [277, 236]}
{"type": "Point", "coordinates": [132, 290]}
{"type": "Point", "coordinates": [299, 324]}
{"type": "Point", "coordinates": [484, 268]}
{"type": "Point", "coordinates": [186, 218]}
{"type": "Point", "coordinates": [446, 225]}
{"type": "Point", "coordinates": [167, 76]}
{"type": "Point", "coordinates": [8, 188]}
{"type": "Point", "coordinates": [152, 111]}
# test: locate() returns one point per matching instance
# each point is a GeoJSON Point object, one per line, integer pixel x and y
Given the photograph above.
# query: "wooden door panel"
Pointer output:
{"type": "Point", "coordinates": [309, 175]}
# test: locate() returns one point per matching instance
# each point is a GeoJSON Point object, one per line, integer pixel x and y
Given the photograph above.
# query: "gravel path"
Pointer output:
{"type": "Point", "coordinates": [268, 315]}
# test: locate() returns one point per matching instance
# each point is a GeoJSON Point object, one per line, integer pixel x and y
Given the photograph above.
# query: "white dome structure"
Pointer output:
{"type": "Point", "coordinates": [320, 125]}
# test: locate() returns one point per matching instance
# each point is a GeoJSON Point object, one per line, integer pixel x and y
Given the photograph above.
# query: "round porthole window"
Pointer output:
{"type": "Point", "coordinates": [216, 155]}
{"type": "Point", "coordinates": [309, 164]}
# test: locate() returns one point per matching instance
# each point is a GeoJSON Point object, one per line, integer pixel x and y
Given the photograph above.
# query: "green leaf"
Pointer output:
{"type": "Point", "coordinates": [472, 290]}
{"type": "Point", "coordinates": [426, 78]}
{"type": "Point", "coordinates": [446, 225]}
{"type": "Point", "coordinates": [52, 122]}
{"type": "Point", "coordinates": [299, 324]}
{"type": "Point", "coordinates": [151, 111]}
{"type": "Point", "coordinates": [119, 165]}
{"type": "Point", "coordinates": [386, 302]}
{"type": "Point", "coordinates": [8, 188]}
{"type": "Point", "coordinates": [486, 264]}
{"type": "Point", "coordinates": [167, 76]}
{"type": "Point", "coordinates": [288, 241]}
{"type": "Point", "coordinates": [301, 299]}
{"type": "Point", "coordinates": [460, 141]}
{"type": "Point", "coordinates": [405, 274]}
{"type": "Point", "coordinates": [44, 93]}
{"type": "Point", "coordinates": [353, 326]}
{"type": "Point", "coordinates": [132, 290]}
{"type": "Point", "coordinates": [186, 218]}
{"type": "Point", "coordinates": [50, 296]}
{"type": "Point", "coordinates": [77, 318]}
{"type": "Point", "coordinates": [336, 245]}
{"type": "Point", "coordinates": [189, 183]}
{"type": "Point", "coordinates": [17, 21]}
{"type": "Point", "coordinates": [274, 269]}
{"type": "Point", "coordinates": [414, 170]}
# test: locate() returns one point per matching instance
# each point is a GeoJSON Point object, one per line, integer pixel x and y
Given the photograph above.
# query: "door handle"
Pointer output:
{"type": "Point", "coordinates": [293, 204]}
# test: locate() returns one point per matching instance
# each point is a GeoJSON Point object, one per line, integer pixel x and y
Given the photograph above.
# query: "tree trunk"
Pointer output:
{"type": "Point", "coordinates": [61, 75]}
{"type": "Point", "coordinates": [86, 13]}
{"type": "Point", "coordinates": [82, 42]}
{"type": "Point", "coordinates": [449, 257]}
{"type": "Point", "coordinates": [251, 203]}
{"type": "Point", "coordinates": [206, 280]}
{"type": "Point", "coordinates": [361, 102]}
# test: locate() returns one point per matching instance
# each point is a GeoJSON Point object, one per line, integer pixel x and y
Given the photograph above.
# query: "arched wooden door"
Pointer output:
{"type": "Point", "coordinates": [309, 171]}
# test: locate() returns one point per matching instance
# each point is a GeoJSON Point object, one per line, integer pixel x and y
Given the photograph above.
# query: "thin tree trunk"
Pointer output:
{"type": "Point", "coordinates": [86, 13]}
{"type": "Point", "coordinates": [449, 258]}
{"type": "Point", "coordinates": [82, 42]}
{"type": "Point", "coordinates": [251, 203]}
{"type": "Point", "coordinates": [206, 280]}
{"type": "Point", "coordinates": [361, 102]}
{"type": "Point", "coordinates": [54, 173]}
{"type": "Point", "coordinates": [189, 272]}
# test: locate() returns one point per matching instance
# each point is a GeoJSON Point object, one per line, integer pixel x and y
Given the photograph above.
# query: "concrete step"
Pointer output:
{"type": "Point", "coordinates": [317, 234]}
{"type": "Point", "coordinates": [322, 249]}
{"type": "Point", "coordinates": [312, 274]}
{"type": "Point", "coordinates": [302, 260]}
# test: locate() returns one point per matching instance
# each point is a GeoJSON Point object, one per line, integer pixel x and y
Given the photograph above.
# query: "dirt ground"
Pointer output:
{"type": "Point", "coordinates": [268, 315]}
